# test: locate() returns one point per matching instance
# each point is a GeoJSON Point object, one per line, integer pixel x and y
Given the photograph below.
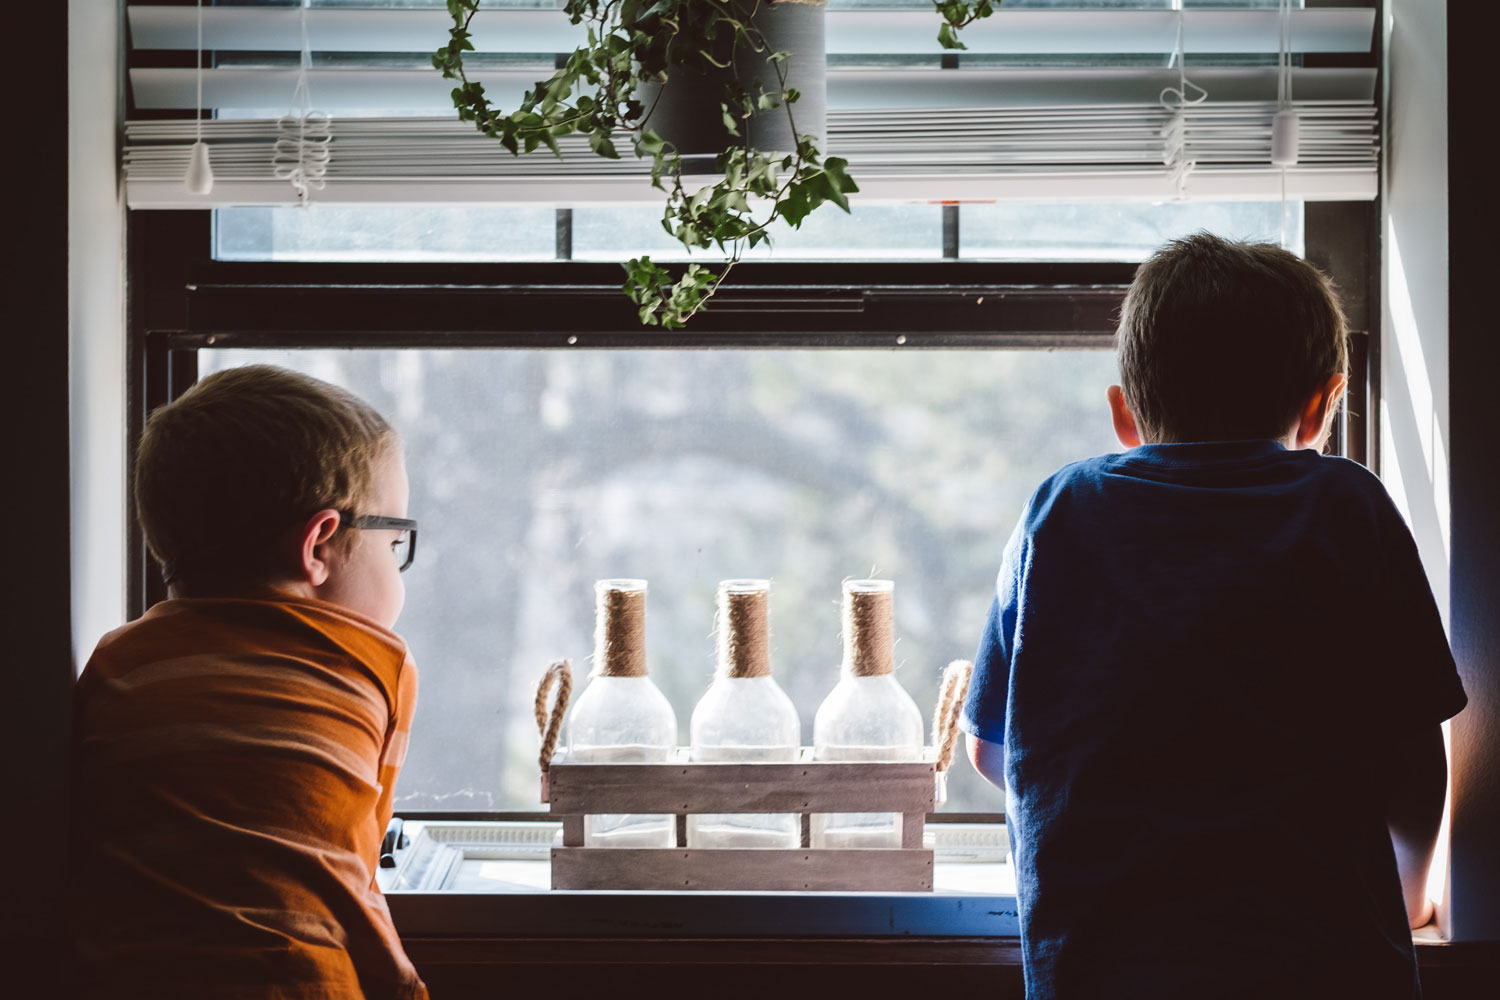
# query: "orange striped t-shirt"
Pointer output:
{"type": "Point", "coordinates": [234, 761]}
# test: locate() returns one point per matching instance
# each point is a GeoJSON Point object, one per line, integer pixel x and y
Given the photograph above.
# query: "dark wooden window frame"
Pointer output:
{"type": "Point", "coordinates": [182, 300]}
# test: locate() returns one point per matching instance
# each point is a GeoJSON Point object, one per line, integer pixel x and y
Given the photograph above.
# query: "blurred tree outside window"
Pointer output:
{"type": "Point", "coordinates": [536, 472]}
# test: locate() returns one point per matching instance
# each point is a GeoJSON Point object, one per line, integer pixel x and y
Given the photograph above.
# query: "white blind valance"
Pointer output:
{"type": "Point", "coordinates": [1007, 31]}
{"type": "Point", "coordinates": [1026, 130]}
{"type": "Point", "coordinates": [966, 154]}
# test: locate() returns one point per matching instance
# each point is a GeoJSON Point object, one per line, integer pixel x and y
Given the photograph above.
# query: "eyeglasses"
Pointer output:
{"type": "Point", "coordinates": [404, 548]}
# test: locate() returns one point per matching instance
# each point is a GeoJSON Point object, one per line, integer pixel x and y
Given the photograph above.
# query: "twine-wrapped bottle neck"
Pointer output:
{"type": "Point", "coordinates": [742, 628]}
{"type": "Point", "coordinates": [869, 636]}
{"type": "Point", "coordinates": [620, 628]}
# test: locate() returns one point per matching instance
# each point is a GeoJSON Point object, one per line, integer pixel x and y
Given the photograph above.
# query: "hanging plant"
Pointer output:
{"type": "Point", "coordinates": [613, 88]}
{"type": "Point", "coordinates": [959, 14]}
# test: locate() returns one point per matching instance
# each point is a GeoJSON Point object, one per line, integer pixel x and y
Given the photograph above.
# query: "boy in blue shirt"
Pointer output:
{"type": "Point", "coordinates": [1213, 673]}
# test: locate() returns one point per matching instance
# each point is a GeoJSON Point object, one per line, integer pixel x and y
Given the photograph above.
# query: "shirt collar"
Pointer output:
{"type": "Point", "coordinates": [1207, 453]}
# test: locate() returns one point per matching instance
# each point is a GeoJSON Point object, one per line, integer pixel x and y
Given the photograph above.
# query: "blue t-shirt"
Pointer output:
{"type": "Point", "coordinates": [1198, 659]}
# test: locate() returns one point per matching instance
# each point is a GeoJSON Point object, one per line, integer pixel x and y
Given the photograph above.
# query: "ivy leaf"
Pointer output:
{"type": "Point", "coordinates": [648, 143]}
{"type": "Point", "coordinates": [839, 181]}
{"type": "Point", "coordinates": [948, 38]}
{"type": "Point", "coordinates": [730, 125]}
{"type": "Point", "coordinates": [600, 144]}
{"type": "Point", "coordinates": [795, 204]}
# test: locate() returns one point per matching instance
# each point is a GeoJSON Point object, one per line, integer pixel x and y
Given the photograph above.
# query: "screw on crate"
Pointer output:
{"type": "Point", "coordinates": [549, 725]}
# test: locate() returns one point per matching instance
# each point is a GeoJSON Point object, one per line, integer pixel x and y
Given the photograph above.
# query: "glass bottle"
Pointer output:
{"type": "Point", "coordinates": [622, 716]}
{"type": "Point", "coordinates": [744, 716]}
{"type": "Point", "coordinates": [867, 717]}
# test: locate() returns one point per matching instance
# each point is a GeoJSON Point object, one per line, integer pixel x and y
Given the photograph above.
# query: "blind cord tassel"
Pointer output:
{"type": "Point", "coordinates": [200, 172]}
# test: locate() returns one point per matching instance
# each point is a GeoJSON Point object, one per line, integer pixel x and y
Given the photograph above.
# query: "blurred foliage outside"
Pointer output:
{"type": "Point", "coordinates": [536, 472]}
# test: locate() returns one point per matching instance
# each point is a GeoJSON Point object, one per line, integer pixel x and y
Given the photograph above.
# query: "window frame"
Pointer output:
{"type": "Point", "coordinates": [181, 300]}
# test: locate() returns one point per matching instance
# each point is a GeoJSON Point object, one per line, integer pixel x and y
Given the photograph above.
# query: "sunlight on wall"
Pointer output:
{"type": "Point", "coordinates": [1437, 876]}
{"type": "Point", "coordinates": [1412, 363]}
{"type": "Point", "coordinates": [1414, 465]}
{"type": "Point", "coordinates": [1409, 408]}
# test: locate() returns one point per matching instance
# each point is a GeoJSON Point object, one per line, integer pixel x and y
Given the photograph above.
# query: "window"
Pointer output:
{"type": "Point", "coordinates": [878, 395]}
{"type": "Point", "coordinates": [536, 472]}
{"type": "Point", "coordinates": [1117, 231]}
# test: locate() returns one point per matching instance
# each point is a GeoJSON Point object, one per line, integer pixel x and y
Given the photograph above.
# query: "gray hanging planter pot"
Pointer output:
{"type": "Point", "coordinates": [686, 110]}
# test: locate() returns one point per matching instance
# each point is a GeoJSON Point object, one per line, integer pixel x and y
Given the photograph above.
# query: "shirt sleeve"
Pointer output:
{"type": "Point", "coordinates": [983, 712]}
{"type": "Point", "coordinates": [1422, 685]}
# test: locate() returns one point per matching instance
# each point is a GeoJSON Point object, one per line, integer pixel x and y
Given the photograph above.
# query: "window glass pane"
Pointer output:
{"type": "Point", "coordinates": [1114, 230]}
{"type": "Point", "coordinates": [868, 232]}
{"type": "Point", "coordinates": [387, 233]}
{"type": "Point", "coordinates": [1008, 231]}
{"type": "Point", "coordinates": [534, 473]}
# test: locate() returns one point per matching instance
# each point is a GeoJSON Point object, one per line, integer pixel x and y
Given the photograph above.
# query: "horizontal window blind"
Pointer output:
{"type": "Point", "coordinates": [1007, 31]}
{"type": "Point", "coordinates": [1021, 129]}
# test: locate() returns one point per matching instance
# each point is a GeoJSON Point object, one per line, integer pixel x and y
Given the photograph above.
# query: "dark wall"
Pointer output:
{"type": "Point", "coordinates": [39, 670]}
{"type": "Point", "coordinates": [1474, 422]}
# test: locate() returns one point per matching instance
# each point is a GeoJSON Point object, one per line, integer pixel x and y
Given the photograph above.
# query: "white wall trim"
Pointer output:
{"type": "Point", "coordinates": [96, 320]}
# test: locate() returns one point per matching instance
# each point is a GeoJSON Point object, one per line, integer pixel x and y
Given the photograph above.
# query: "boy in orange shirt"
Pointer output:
{"type": "Point", "coordinates": [236, 748]}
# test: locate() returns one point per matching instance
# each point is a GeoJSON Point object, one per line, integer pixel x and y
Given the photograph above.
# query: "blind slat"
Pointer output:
{"type": "Point", "coordinates": [347, 90]}
{"type": "Point", "coordinates": [985, 154]}
{"type": "Point", "coordinates": [1153, 185]}
{"type": "Point", "coordinates": [1014, 32]}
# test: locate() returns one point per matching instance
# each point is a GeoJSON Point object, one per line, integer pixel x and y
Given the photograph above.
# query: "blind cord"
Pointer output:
{"type": "Point", "coordinates": [198, 74]}
{"type": "Point", "coordinates": [1176, 101]}
{"type": "Point", "coordinates": [1285, 126]}
{"type": "Point", "coordinates": [199, 178]}
{"type": "Point", "coordinates": [302, 149]}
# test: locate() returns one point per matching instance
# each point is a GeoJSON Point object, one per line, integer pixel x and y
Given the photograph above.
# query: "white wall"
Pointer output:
{"type": "Point", "coordinates": [1416, 441]}
{"type": "Point", "coordinates": [1414, 273]}
{"type": "Point", "coordinates": [96, 320]}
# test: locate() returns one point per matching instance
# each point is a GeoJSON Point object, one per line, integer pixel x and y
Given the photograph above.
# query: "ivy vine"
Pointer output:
{"type": "Point", "coordinates": [597, 91]}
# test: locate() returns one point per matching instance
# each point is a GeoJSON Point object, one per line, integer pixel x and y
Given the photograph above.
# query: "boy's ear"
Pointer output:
{"type": "Point", "coordinates": [1125, 427]}
{"type": "Point", "coordinates": [313, 565]}
{"type": "Point", "coordinates": [1317, 413]}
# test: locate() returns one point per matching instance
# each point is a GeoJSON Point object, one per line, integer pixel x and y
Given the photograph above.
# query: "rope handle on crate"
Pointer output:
{"type": "Point", "coordinates": [549, 725]}
{"type": "Point", "coordinates": [955, 687]}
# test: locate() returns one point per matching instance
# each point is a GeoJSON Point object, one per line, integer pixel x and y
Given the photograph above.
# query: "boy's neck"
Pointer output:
{"type": "Point", "coordinates": [263, 590]}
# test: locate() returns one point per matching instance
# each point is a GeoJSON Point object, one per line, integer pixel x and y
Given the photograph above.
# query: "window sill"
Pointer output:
{"type": "Point", "coordinates": [455, 880]}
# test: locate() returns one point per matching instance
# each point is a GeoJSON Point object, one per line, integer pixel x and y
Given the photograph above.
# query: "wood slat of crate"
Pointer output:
{"type": "Point", "coordinates": [800, 787]}
{"type": "Point", "coordinates": [683, 787]}
{"type": "Point", "coordinates": [825, 870]}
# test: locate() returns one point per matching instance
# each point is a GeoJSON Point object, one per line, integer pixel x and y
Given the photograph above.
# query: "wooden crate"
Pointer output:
{"type": "Point", "coordinates": [683, 787]}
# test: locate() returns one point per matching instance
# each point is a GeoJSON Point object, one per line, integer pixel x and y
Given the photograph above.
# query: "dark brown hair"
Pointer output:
{"type": "Point", "coordinates": [237, 460]}
{"type": "Point", "coordinates": [1221, 340]}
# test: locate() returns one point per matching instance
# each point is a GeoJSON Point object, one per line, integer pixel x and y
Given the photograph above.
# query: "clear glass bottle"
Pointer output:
{"type": "Point", "coordinates": [621, 715]}
{"type": "Point", "coordinates": [868, 715]}
{"type": "Point", "coordinates": [744, 716]}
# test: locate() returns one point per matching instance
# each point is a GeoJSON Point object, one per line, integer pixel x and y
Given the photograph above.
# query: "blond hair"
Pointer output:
{"type": "Point", "coordinates": [227, 468]}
